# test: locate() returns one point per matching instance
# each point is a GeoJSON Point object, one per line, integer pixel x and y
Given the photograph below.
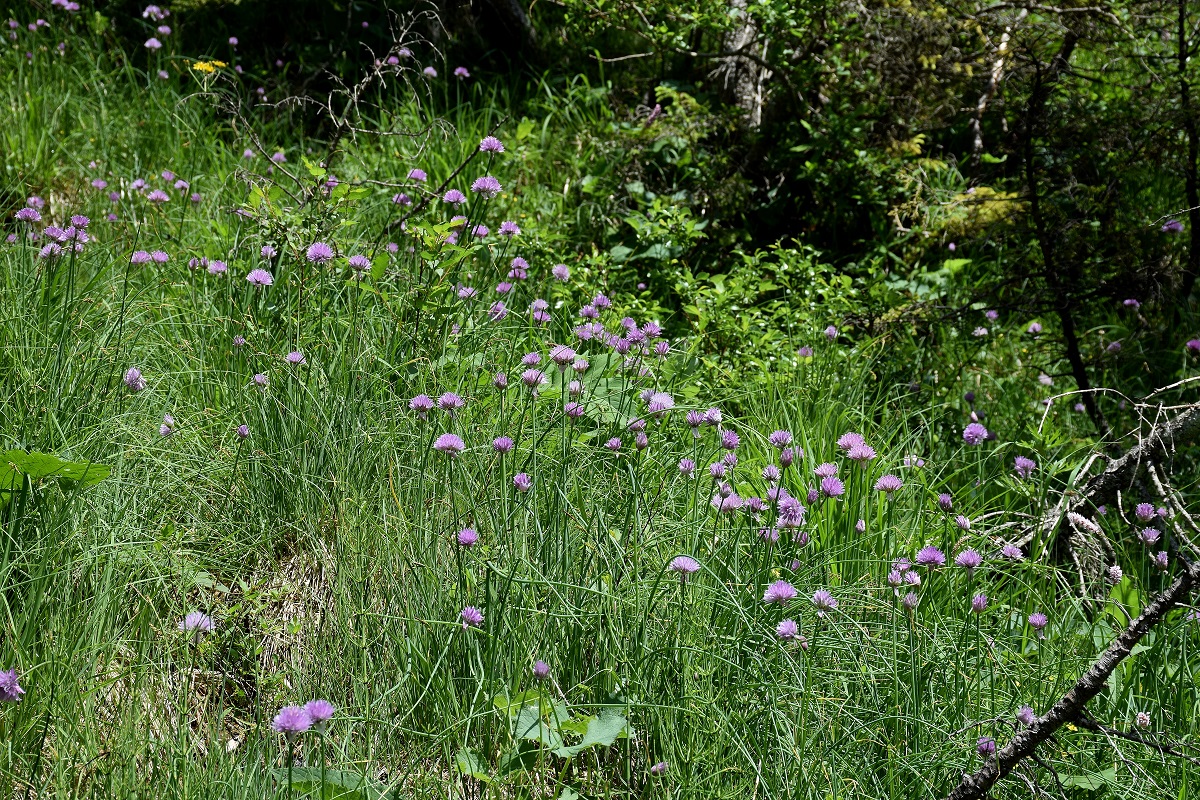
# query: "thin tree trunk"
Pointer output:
{"type": "Point", "coordinates": [992, 87]}
{"type": "Point", "coordinates": [744, 78]}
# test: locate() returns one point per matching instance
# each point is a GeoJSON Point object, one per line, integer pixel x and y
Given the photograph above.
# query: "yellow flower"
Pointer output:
{"type": "Point", "coordinates": [204, 66]}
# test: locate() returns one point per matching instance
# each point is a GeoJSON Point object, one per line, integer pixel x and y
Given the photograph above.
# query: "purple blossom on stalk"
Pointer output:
{"type": "Point", "coordinates": [522, 482]}
{"type": "Point", "coordinates": [717, 470]}
{"type": "Point", "coordinates": [318, 253]}
{"type": "Point", "coordinates": [320, 712]}
{"type": "Point", "coordinates": [659, 769]}
{"type": "Point", "coordinates": [888, 484]}
{"type": "Point", "coordinates": [1026, 715]}
{"type": "Point", "coordinates": [503, 444]}
{"type": "Point", "coordinates": [450, 444]}
{"type": "Point", "coordinates": [805, 352]}
{"type": "Point", "coordinates": [467, 537]}
{"type": "Point", "coordinates": [167, 428]}
{"type": "Point", "coordinates": [825, 470]}
{"type": "Point", "coordinates": [910, 600]}
{"type": "Point", "coordinates": [1034, 328]}
{"type": "Point", "coordinates": [1193, 345]}
{"type": "Point", "coordinates": [831, 333]}
{"type": "Point", "coordinates": [790, 454]}
{"type": "Point", "coordinates": [726, 500]}
{"type": "Point", "coordinates": [861, 526]}
{"type": "Point", "coordinates": [216, 267]}
{"type": "Point", "coordinates": [454, 197]}
{"type": "Point", "coordinates": [930, 556]}
{"type": "Point", "coordinates": [979, 603]}
{"type": "Point", "coordinates": [613, 444]}
{"type": "Point", "coordinates": [986, 747]}
{"type": "Point", "coordinates": [422, 404]}
{"type": "Point", "coordinates": [641, 441]}
{"type": "Point", "coordinates": [471, 617]}
{"type": "Point", "coordinates": [197, 623]}
{"type": "Point", "coordinates": [1172, 226]}
{"type": "Point", "coordinates": [687, 467]}
{"type": "Point", "coordinates": [462, 74]}
{"type": "Point", "coordinates": [359, 263]}
{"type": "Point", "coordinates": [574, 410]}
{"type": "Point", "coordinates": [945, 502]}
{"type": "Point", "coordinates": [861, 453]}
{"type": "Point", "coordinates": [562, 356]}
{"type": "Point", "coordinates": [1142, 720]}
{"type": "Point", "coordinates": [486, 187]}
{"type": "Point", "coordinates": [824, 601]}
{"type": "Point", "coordinates": [295, 358]}
{"type": "Point", "coordinates": [417, 175]}
{"type": "Point", "coordinates": [561, 272]}
{"type": "Point", "coordinates": [133, 379]}
{"type": "Point", "coordinates": [1038, 622]}
{"type": "Point", "coordinates": [243, 432]}
{"type": "Point", "coordinates": [1144, 512]}
{"type": "Point", "coordinates": [1012, 552]}
{"type": "Point", "coordinates": [787, 630]}
{"type": "Point", "coordinates": [292, 721]}
{"type": "Point", "coordinates": [974, 434]}
{"type": "Point", "coordinates": [450, 402]}
{"type": "Point", "coordinates": [534, 379]}
{"type": "Point", "coordinates": [962, 522]}
{"type": "Point", "coordinates": [1024, 467]}
{"type": "Point", "coordinates": [500, 381]}
{"type": "Point", "coordinates": [509, 228]}
{"type": "Point", "coordinates": [660, 403]}
{"type": "Point", "coordinates": [779, 439]}
{"type": "Point", "coordinates": [1162, 560]}
{"type": "Point", "coordinates": [969, 560]}
{"type": "Point", "coordinates": [158, 196]}
{"type": "Point", "coordinates": [712, 417]}
{"type": "Point", "coordinates": [490, 144]}
{"type": "Point", "coordinates": [260, 277]}
{"type": "Point", "coordinates": [29, 215]}
{"type": "Point", "coordinates": [780, 592]}
{"type": "Point", "coordinates": [848, 441]}
{"type": "Point", "coordinates": [1149, 536]}
{"type": "Point", "coordinates": [10, 689]}
{"type": "Point", "coordinates": [684, 566]}
{"type": "Point", "coordinates": [771, 473]}
{"type": "Point", "coordinates": [541, 670]}
{"type": "Point", "coordinates": [832, 487]}
{"type": "Point", "coordinates": [139, 257]}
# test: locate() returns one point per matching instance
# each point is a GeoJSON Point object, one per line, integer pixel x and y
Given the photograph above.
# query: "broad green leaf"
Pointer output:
{"type": "Point", "coordinates": [468, 763]}
{"type": "Point", "coordinates": [524, 128]}
{"type": "Point", "coordinates": [333, 784]}
{"type": "Point", "coordinates": [39, 466]}
{"type": "Point", "coordinates": [602, 731]}
{"type": "Point", "coordinates": [1092, 781]}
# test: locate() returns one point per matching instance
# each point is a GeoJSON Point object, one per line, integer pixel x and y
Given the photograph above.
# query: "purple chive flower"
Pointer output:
{"type": "Point", "coordinates": [717, 470]}
{"type": "Point", "coordinates": [292, 721]}
{"type": "Point", "coordinates": [888, 484]}
{"type": "Point", "coordinates": [787, 630]}
{"type": "Point", "coordinates": [613, 444]}
{"type": "Point", "coordinates": [197, 624]}
{"type": "Point", "coordinates": [805, 352]}
{"type": "Point", "coordinates": [422, 404]}
{"type": "Point", "coordinates": [359, 263]}
{"type": "Point", "coordinates": [831, 333]}
{"type": "Point", "coordinates": [450, 444]}
{"type": "Point", "coordinates": [471, 617]}
{"type": "Point", "coordinates": [139, 257]}
{"type": "Point", "coordinates": [1193, 345]}
{"type": "Point", "coordinates": [660, 403]}
{"type": "Point", "coordinates": [29, 215]}
{"type": "Point", "coordinates": [467, 537]}
{"type": "Point", "coordinates": [824, 601]}
{"type": "Point", "coordinates": [450, 402]}
{"type": "Point", "coordinates": [1012, 552]}
{"type": "Point", "coordinates": [945, 502]}
{"type": "Point", "coordinates": [779, 439]}
{"type": "Point", "coordinates": [1024, 467]}
{"type": "Point", "coordinates": [534, 379]}
{"type": "Point", "coordinates": [910, 600]}
{"type": "Point", "coordinates": [659, 769]}
{"type": "Point", "coordinates": [10, 689]}
{"type": "Point", "coordinates": [134, 380]}
{"type": "Point", "coordinates": [848, 441]}
{"type": "Point", "coordinates": [1038, 622]}
{"type": "Point", "coordinates": [780, 592]}
{"type": "Point", "coordinates": [573, 410]}
{"type": "Point", "coordinates": [1142, 720]}
{"type": "Point", "coordinates": [1113, 347]}
{"type": "Point", "coordinates": [684, 566]}
{"type": "Point", "coordinates": [500, 381]}
{"type": "Point", "coordinates": [962, 522]}
{"type": "Point", "coordinates": [562, 356]}
{"type": "Point", "coordinates": [243, 432]}
{"type": "Point", "coordinates": [152, 44]}
{"type": "Point", "coordinates": [687, 467]}
{"type": "Point", "coordinates": [730, 440]}
{"type": "Point", "coordinates": [278, 157]}
{"type": "Point", "coordinates": [159, 257]}
{"type": "Point", "coordinates": [1149, 536]}
{"type": "Point", "coordinates": [259, 380]}
{"type": "Point", "coordinates": [1144, 512]}
{"type": "Point", "coordinates": [490, 144]}
{"type": "Point", "coordinates": [318, 253]}
{"type": "Point", "coordinates": [974, 434]}
{"type": "Point", "coordinates": [1162, 560]}
{"type": "Point", "coordinates": [930, 556]}
{"type": "Point", "coordinates": [509, 228]}
{"type": "Point", "coordinates": [1034, 328]}
{"type": "Point", "coordinates": [771, 473]}
{"type": "Point", "coordinates": [168, 426]}
{"type": "Point", "coordinates": [1026, 715]}
{"type": "Point", "coordinates": [979, 603]}
{"type": "Point", "coordinates": [461, 73]}
{"type": "Point", "coordinates": [417, 175]}
{"type": "Point", "coordinates": [486, 186]}
{"type": "Point", "coordinates": [503, 444]}
{"type": "Point", "coordinates": [295, 358]}
{"type": "Point", "coordinates": [560, 272]}
{"type": "Point", "coordinates": [320, 712]}
{"type": "Point", "coordinates": [861, 454]}
{"type": "Point", "coordinates": [260, 277]}
{"type": "Point", "coordinates": [522, 482]}
{"type": "Point", "coordinates": [986, 746]}
{"type": "Point", "coordinates": [216, 267]}
{"type": "Point", "coordinates": [541, 670]}
{"type": "Point", "coordinates": [158, 196]}
{"type": "Point", "coordinates": [825, 470]}
{"type": "Point", "coordinates": [861, 526]}
{"type": "Point", "coordinates": [1172, 226]}
{"type": "Point", "coordinates": [832, 487]}
{"type": "Point", "coordinates": [969, 560]}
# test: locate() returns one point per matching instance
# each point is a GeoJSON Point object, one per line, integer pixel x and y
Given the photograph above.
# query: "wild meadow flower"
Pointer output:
{"type": "Point", "coordinates": [158, 196]}
{"type": "Point", "coordinates": [1038, 621]}
{"type": "Point", "coordinates": [541, 670]}
{"type": "Point", "coordinates": [1012, 552]}
{"type": "Point", "coordinates": [888, 484]}
{"type": "Point", "coordinates": [1034, 328]}
{"type": "Point", "coordinates": [10, 689]}
{"type": "Point", "coordinates": [560, 272]}
{"type": "Point", "coordinates": [962, 522]}
{"type": "Point", "coordinates": [1142, 720]}
{"type": "Point", "coordinates": [450, 444]}
{"type": "Point", "coordinates": [216, 267]}
{"type": "Point", "coordinates": [1193, 345]}
{"type": "Point", "coordinates": [295, 358]}
{"type": "Point", "coordinates": [359, 263]}
{"type": "Point", "coordinates": [832, 487]}
{"type": "Point", "coordinates": [986, 746]}
{"type": "Point", "coordinates": [930, 556]}
{"type": "Point", "coordinates": [779, 439]}
{"type": "Point", "coordinates": [534, 379]}
{"type": "Point", "coordinates": [684, 566]}
{"type": "Point", "coordinates": [417, 175]}
{"type": "Point", "coordinates": [791, 512]}
{"type": "Point", "coordinates": [503, 444]}
{"type": "Point", "coordinates": [771, 473]}
{"type": "Point", "coordinates": [292, 721]}
{"type": "Point", "coordinates": [450, 402]}
{"type": "Point", "coordinates": [259, 277]}
{"type": "Point", "coordinates": [497, 311]}
{"type": "Point", "coordinates": [659, 769]}
{"type": "Point", "coordinates": [320, 712]}
{"type": "Point", "coordinates": [825, 470]}
{"type": "Point", "coordinates": [134, 380]}
{"type": "Point", "coordinates": [562, 356]}
{"type": "Point", "coordinates": [152, 44]}
{"type": "Point", "coordinates": [422, 404]}
{"type": "Point", "coordinates": [471, 617]}
{"type": "Point", "coordinates": [713, 417]}
{"type": "Point", "coordinates": [1024, 467]}
{"type": "Point", "coordinates": [910, 600]}
{"type": "Point", "coordinates": [831, 333]}
{"type": "Point", "coordinates": [574, 410]}
{"type": "Point", "coordinates": [1113, 347]}
{"type": "Point", "coordinates": [168, 426]}
{"type": "Point", "coordinates": [687, 467]}
{"type": "Point", "coordinates": [861, 453]}
{"type": "Point", "coordinates": [641, 441]}
{"type": "Point", "coordinates": [490, 144]}
{"type": "Point", "coordinates": [717, 470]}
{"type": "Point", "coordinates": [243, 432]}
{"type": "Point", "coordinates": [861, 526]}
{"type": "Point", "coordinates": [467, 537]}
{"type": "Point", "coordinates": [139, 257]}
{"type": "Point", "coordinates": [29, 215]}
{"type": "Point", "coordinates": [787, 630]}
{"type": "Point", "coordinates": [848, 441]}
{"type": "Point", "coordinates": [1149, 536]}
{"type": "Point", "coordinates": [780, 592]}
{"type": "Point", "coordinates": [974, 433]}
{"type": "Point", "coordinates": [824, 601]}
{"type": "Point", "coordinates": [500, 381]}
{"type": "Point", "coordinates": [979, 603]}
{"type": "Point", "coordinates": [1162, 560]}
{"type": "Point", "coordinates": [522, 482]}
{"type": "Point", "coordinates": [1144, 512]}
{"type": "Point", "coordinates": [805, 352]}
{"type": "Point", "coordinates": [486, 187]}
{"type": "Point", "coordinates": [969, 560]}
{"type": "Point", "coordinates": [318, 253]}
{"type": "Point", "coordinates": [1026, 715]}
{"type": "Point", "coordinates": [660, 403]}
